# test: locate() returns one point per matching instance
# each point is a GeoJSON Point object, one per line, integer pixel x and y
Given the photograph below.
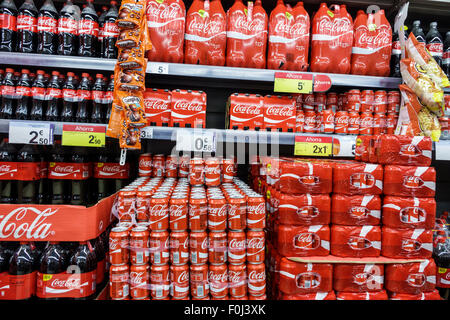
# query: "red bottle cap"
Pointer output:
{"type": "Point", "coordinates": [70, 74]}
{"type": "Point", "coordinates": [99, 75]}
{"type": "Point", "coordinates": [40, 72]}
{"type": "Point", "coordinates": [25, 71]}
{"type": "Point", "coordinates": [85, 75]}
{"type": "Point", "coordinates": [55, 73]}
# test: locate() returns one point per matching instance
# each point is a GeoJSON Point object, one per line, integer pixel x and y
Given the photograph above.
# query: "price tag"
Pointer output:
{"type": "Point", "coordinates": [293, 82]}
{"type": "Point", "coordinates": [344, 146]}
{"type": "Point", "coordinates": [442, 150]}
{"type": "Point", "coordinates": [147, 133]}
{"type": "Point", "coordinates": [83, 135]}
{"type": "Point", "coordinates": [31, 132]}
{"type": "Point", "coordinates": [197, 141]}
{"type": "Point", "coordinates": [313, 146]}
{"type": "Point", "coordinates": [160, 68]}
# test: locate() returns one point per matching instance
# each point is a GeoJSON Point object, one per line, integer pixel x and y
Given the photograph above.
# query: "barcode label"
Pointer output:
{"type": "Point", "coordinates": [157, 257]}
{"type": "Point", "coordinates": [200, 291]}
{"type": "Point", "coordinates": [159, 292]}
{"type": "Point", "coordinates": [307, 284]}
{"type": "Point", "coordinates": [176, 257]}
{"type": "Point", "coordinates": [139, 257]}
{"type": "Point", "coordinates": [194, 257]}
{"type": "Point", "coordinates": [126, 291]}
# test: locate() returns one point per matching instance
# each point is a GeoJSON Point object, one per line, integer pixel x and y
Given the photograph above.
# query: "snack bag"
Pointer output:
{"type": "Point", "coordinates": [134, 109]}
{"type": "Point", "coordinates": [128, 38]}
{"type": "Point", "coordinates": [116, 118]}
{"type": "Point", "coordinates": [131, 79]}
{"type": "Point", "coordinates": [130, 137]}
{"type": "Point", "coordinates": [131, 58]}
{"type": "Point", "coordinates": [130, 14]}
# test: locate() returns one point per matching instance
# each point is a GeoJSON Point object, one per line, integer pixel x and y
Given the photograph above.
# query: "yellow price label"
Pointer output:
{"type": "Point", "coordinates": [47, 277]}
{"type": "Point", "coordinates": [313, 146]}
{"type": "Point", "coordinates": [442, 270]}
{"type": "Point", "coordinates": [293, 82]}
{"type": "Point", "coordinates": [83, 135]}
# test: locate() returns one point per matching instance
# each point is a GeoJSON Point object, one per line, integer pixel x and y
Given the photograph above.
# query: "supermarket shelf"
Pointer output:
{"type": "Point", "coordinates": [185, 70]}
{"type": "Point", "coordinates": [4, 125]}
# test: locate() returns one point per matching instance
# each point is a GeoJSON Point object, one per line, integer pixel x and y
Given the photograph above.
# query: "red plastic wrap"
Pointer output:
{"type": "Point", "coordinates": [358, 277]}
{"type": "Point", "coordinates": [302, 278]}
{"type": "Point", "coordinates": [305, 209]}
{"type": "Point", "coordinates": [300, 241]}
{"type": "Point", "coordinates": [288, 38]}
{"type": "Point", "coordinates": [433, 295]}
{"type": "Point", "coordinates": [310, 296]}
{"type": "Point", "coordinates": [356, 210]}
{"type": "Point", "coordinates": [410, 213]}
{"type": "Point", "coordinates": [377, 295]}
{"type": "Point", "coordinates": [407, 243]}
{"type": "Point", "coordinates": [206, 38]}
{"type": "Point", "coordinates": [358, 178]}
{"type": "Point", "coordinates": [246, 35]}
{"type": "Point", "coordinates": [404, 150]}
{"type": "Point", "coordinates": [371, 52]}
{"type": "Point", "coordinates": [332, 39]}
{"type": "Point", "coordinates": [412, 278]}
{"type": "Point", "coordinates": [279, 113]}
{"type": "Point", "coordinates": [351, 241]}
{"type": "Point", "coordinates": [409, 181]}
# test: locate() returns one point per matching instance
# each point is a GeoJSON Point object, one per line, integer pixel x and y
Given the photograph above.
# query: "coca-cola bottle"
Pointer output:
{"type": "Point", "coordinates": [98, 106]}
{"type": "Point", "coordinates": [27, 27]}
{"type": "Point", "coordinates": [446, 55]}
{"type": "Point", "coordinates": [100, 254]}
{"type": "Point", "coordinates": [101, 23]}
{"type": "Point", "coordinates": [8, 188]}
{"type": "Point", "coordinates": [38, 91]}
{"type": "Point", "coordinates": [418, 32]}
{"type": "Point", "coordinates": [23, 93]}
{"type": "Point", "coordinates": [53, 261]}
{"type": "Point", "coordinates": [27, 189]}
{"type": "Point", "coordinates": [8, 95]}
{"type": "Point", "coordinates": [110, 32]}
{"type": "Point", "coordinates": [396, 54]}
{"type": "Point", "coordinates": [47, 28]}
{"type": "Point", "coordinates": [69, 98]}
{"type": "Point", "coordinates": [79, 187]}
{"type": "Point", "coordinates": [5, 255]}
{"type": "Point", "coordinates": [441, 255]}
{"type": "Point", "coordinates": [86, 262]}
{"type": "Point", "coordinates": [22, 278]}
{"type": "Point", "coordinates": [68, 29]}
{"type": "Point", "coordinates": [435, 44]}
{"type": "Point", "coordinates": [58, 188]}
{"type": "Point", "coordinates": [84, 99]}
{"type": "Point", "coordinates": [88, 31]}
{"type": "Point", "coordinates": [109, 98]}
{"type": "Point", "coordinates": [53, 96]}
{"type": "Point", "coordinates": [8, 29]}
{"type": "Point", "coordinates": [43, 187]}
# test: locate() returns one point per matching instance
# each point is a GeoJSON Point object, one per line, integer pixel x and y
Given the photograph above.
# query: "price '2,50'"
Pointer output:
{"type": "Point", "coordinates": [34, 138]}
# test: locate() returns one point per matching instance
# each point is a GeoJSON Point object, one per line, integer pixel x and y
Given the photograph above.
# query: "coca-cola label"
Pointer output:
{"type": "Point", "coordinates": [24, 171]}
{"type": "Point", "coordinates": [84, 95]}
{"type": "Point", "coordinates": [436, 49]}
{"type": "Point", "coordinates": [66, 285]}
{"type": "Point", "coordinates": [68, 25]}
{"type": "Point", "coordinates": [8, 21]}
{"type": "Point", "coordinates": [70, 95]}
{"type": "Point", "coordinates": [26, 23]}
{"type": "Point", "coordinates": [366, 39]}
{"type": "Point", "coordinates": [89, 27]}
{"type": "Point", "coordinates": [17, 287]}
{"type": "Point", "coordinates": [110, 30]}
{"type": "Point", "coordinates": [8, 91]}
{"type": "Point", "coordinates": [104, 170]}
{"type": "Point", "coordinates": [47, 24]}
{"type": "Point", "coordinates": [22, 91]}
{"type": "Point", "coordinates": [38, 92]}
{"type": "Point", "coordinates": [362, 278]}
{"type": "Point", "coordinates": [307, 241]}
{"type": "Point", "coordinates": [190, 106]}
{"type": "Point", "coordinates": [443, 277]}
{"type": "Point", "coordinates": [53, 93]}
{"type": "Point", "coordinates": [69, 171]}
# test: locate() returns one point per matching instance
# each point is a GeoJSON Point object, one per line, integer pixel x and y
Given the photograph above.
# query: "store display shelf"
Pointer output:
{"type": "Point", "coordinates": [335, 259]}
{"type": "Point", "coordinates": [4, 125]}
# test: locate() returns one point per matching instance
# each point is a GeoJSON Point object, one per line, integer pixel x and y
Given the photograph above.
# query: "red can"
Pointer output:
{"type": "Point", "coordinates": [127, 198]}
{"type": "Point", "coordinates": [310, 122]}
{"type": "Point", "coordinates": [393, 101]}
{"type": "Point", "coordinates": [140, 281]}
{"type": "Point", "coordinates": [159, 212]}
{"type": "Point", "coordinates": [379, 123]}
{"type": "Point", "coordinates": [341, 122]}
{"type": "Point", "coordinates": [237, 212]}
{"type": "Point", "coordinates": [217, 213]}
{"type": "Point", "coordinates": [179, 279]}
{"type": "Point", "coordinates": [159, 281]}
{"type": "Point", "coordinates": [199, 280]}
{"type": "Point", "coordinates": [256, 279]}
{"type": "Point", "coordinates": [228, 170]}
{"type": "Point", "coordinates": [218, 280]}
{"type": "Point", "coordinates": [159, 247]}
{"type": "Point", "coordinates": [236, 247]}
{"type": "Point", "coordinates": [332, 101]}
{"type": "Point", "coordinates": [196, 171]}
{"type": "Point", "coordinates": [367, 100]}
{"type": "Point", "coordinates": [308, 102]}
{"type": "Point", "coordinates": [237, 275]}
{"type": "Point", "coordinates": [217, 242]}
{"type": "Point", "coordinates": [198, 247]}
{"type": "Point", "coordinates": [145, 165]}
{"type": "Point", "coordinates": [327, 121]}
{"type": "Point", "coordinates": [159, 165]}
{"type": "Point", "coordinates": [354, 100]}
{"type": "Point", "coordinates": [391, 123]}
{"type": "Point", "coordinates": [198, 212]}
{"type": "Point", "coordinates": [380, 102]}
{"type": "Point", "coordinates": [183, 168]}
{"type": "Point", "coordinates": [299, 121]}
{"type": "Point", "coordinates": [143, 196]}
{"type": "Point", "coordinates": [342, 102]}
{"type": "Point", "coordinates": [256, 245]}
{"type": "Point", "coordinates": [444, 122]}
{"type": "Point", "coordinates": [139, 246]}
{"type": "Point", "coordinates": [256, 212]}
{"type": "Point", "coordinates": [262, 297]}
{"type": "Point", "coordinates": [179, 247]}
{"type": "Point", "coordinates": [320, 100]}
{"type": "Point", "coordinates": [212, 172]}
{"type": "Point", "coordinates": [366, 124]}
{"type": "Point", "coordinates": [178, 213]}
{"type": "Point", "coordinates": [118, 282]}
{"type": "Point", "coordinates": [118, 246]}
{"type": "Point", "coordinates": [171, 166]}
{"type": "Point", "coordinates": [353, 123]}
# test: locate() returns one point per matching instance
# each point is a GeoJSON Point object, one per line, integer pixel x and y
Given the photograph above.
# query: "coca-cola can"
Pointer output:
{"type": "Point", "coordinates": [367, 100]}
{"type": "Point", "coordinates": [119, 288]}
{"type": "Point", "coordinates": [320, 100]}
{"type": "Point", "coordinates": [140, 281]}
{"type": "Point", "coordinates": [212, 172]}
{"type": "Point", "coordinates": [145, 165]}
{"type": "Point", "coordinates": [237, 280]}
{"type": "Point", "coordinates": [198, 247]}
{"type": "Point", "coordinates": [379, 123]}
{"type": "Point", "coordinates": [126, 199]}
{"type": "Point", "coordinates": [341, 122]}
{"type": "Point", "coordinates": [139, 246]}
{"type": "Point", "coordinates": [237, 212]}
{"type": "Point", "coordinates": [236, 247]}
{"type": "Point", "coordinates": [218, 280]}
{"type": "Point", "coordinates": [217, 213]}
{"type": "Point", "coordinates": [393, 101]}
{"type": "Point", "coordinates": [217, 247]}
{"type": "Point", "coordinates": [256, 245]}
{"type": "Point", "coordinates": [256, 279]}
{"type": "Point", "coordinates": [308, 102]}
{"type": "Point", "coordinates": [310, 122]}
{"type": "Point", "coordinates": [342, 101]}
{"type": "Point", "coordinates": [199, 280]}
{"type": "Point", "coordinates": [261, 297]}
{"type": "Point", "coordinates": [179, 247]}
{"type": "Point", "coordinates": [366, 123]}
{"type": "Point", "coordinates": [171, 166]}
{"type": "Point", "coordinates": [354, 100]}
{"type": "Point", "coordinates": [228, 171]}
{"type": "Point", "coordinates": [299, 121]}
{"type": "Point", "coordinates": [159, 165]}
{"type": "Point", "coordinates": [444, 122]}
{"type": "Point", "coordinates": [159, 212]}
{"type": "Point", "coordinates": [159, 281]}
{"type": "Point", "coordinates": [327, 121]}
{"type": "Point", "coordinates": [353, 123]}
{"type": "Point", "coordinates": [332, 101]}
{"type": "Point", "coordinates": [256, 212]}
{"type": "Point", "coordinates": [159, 247]}
{"type": "Point", "coordinates": [143, 196]}
{"type": "Point", "coordinates": [178, 212]}
{"type": "Point", "coordinates": [118, 246]}
{"type": "Point", "coordinates": [198, 212]}
{"type": "Point", "coordinates": [391, 123]}
{"type": "Point", "coordinates": [380, 102]}
{"type": "Point", "coordinates": [196, 171]}
{"type": "Point", "coordinates": [183, 168]}
{"type": "Point", "coordinates": [179, 281]}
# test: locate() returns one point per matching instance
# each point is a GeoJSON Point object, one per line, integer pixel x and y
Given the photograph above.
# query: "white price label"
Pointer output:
{"type": "Point", "coordinates": [31, 132]}
{"type": "Point", "coordinates": [159, 68]}
{"type": "Point", "coordinates": [344, 146]}
{"type": "Point", "coordinates": [147, 133]}
{"type": "Point", "coordinates": [442, 150]}
{"type": "Point", "coordinates": [197, 141]}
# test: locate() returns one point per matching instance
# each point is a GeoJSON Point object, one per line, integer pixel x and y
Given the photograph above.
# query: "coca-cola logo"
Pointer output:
{"type": "Point", "coordinates": [229, 169]}
{"type": "Point", "coordinates": [162, 12]}
{"type": "Point", "coordinates": [212, 170]}
{"type": "Point", "coordinates": [409, 150]}
{"type": "Point", "coordinates": [156, 104]}
{"type": "Point", "coordinates": [218, 211]}
{"type": "Point", "coordinates": [294, 30]}
{"type": "Point", "coordinates": [253, 26]}
{"type": "Point", "coordinates": [413, 182]}
{"type": "Point", "coordinates": [256, 243]}
{"type": "Point", "coordinates": [14, 225]}
{"type": "Point", "coordinates": [336, 26]}
{"type": "Point", "coordinates": [188, 106]}
{"type": "Point", "coordinates": [246, 109]}
{"type": "Point", "coordinates": [177, 211]}
{"type": "Point", "coordinates": [257, 276]}
{"type": "Point", "coordinates": [47, 24]}
{"type": "Point", "coordinates": [308, 212]}
{"type": "Point", "coordinates": [362, 278]}
{"type": "Point", "coordinates": [236, 276]}
{"type": "Point", "coordinates": [113, 243]}
{"type": "Point", "coordinates": [137, 278]}
{"type": "Point", "coordinates": [308, 280]}
{"type": "Point", "coordinates": [282, 111]}
{"type": "Point", "coordinates": [110, 29]}
{"type": "Point", "coordinates": [211, 27]}
{"type": "Point", "coordinates": [366, 122]}
{"type": "Point", "coordinates": [4, 168]}
{"type": "Point", "coordinates": [435, 47]}
{"type": "Point", "coordinates": [306, 241]}
{"type": "Point", "coordinates": [416, 279]}
{"type": "Point", "coordinates": [64, 169]}
{"type": "Point", "coordinates": [359, 212]}
{"type": "Point", "coordinates": [204, 245]}
{"type": "Point", "coordinates": [73, 282]}
{"type": "Point", "coordinates": [158, 210]}
{"type": "Point", "coordinates": [359, 243]}
{"type": "Point", "coordinates": [237, 244]}
{"type": "Point", "coordinates": [144, 163]}
{"type": "Point", "coordinates": [183, 277]}
{"type": "Point", "coordinates": [112, 169]}
{"type": "Point", "coordinates": [377, 40]}
{"type": "Point", "coordinates": [259, 210]}
{"type": "Point", "coordinates": [218, 277]}
{"type": "Point", "coordinates": [411, 245]}
{"type": "Point", "coordinates": [343, 119]}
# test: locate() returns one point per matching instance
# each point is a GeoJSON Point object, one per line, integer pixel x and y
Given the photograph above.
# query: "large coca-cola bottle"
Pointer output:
{"type": "Point", "coordinates": [5, 255]}
{"type": "Point", "coordinates": [8, 95]}
{"type": "Point", "coordinates": [85, 263]}
{"type": "Point", "coordinates": [47, 28]}
{"type": "Point", "coordinates": [69, 98]}
{"type": "Point", "coordinates": [446, 55]}
{"type": "Point", "coordinates": [79, 186]}
{"type": "Point", "coordinates": [441, 254]}
{"type": "Point", "coordinates": [43, 195]}
{"type": "Point", "coordinates": [435, 44]}
{"type": "Point", "coordinates": [109, 98]}
{"type": "Point", "coordinates": [417, 31]}
{"type": "Point", "coordinates": [22, 278]}
{"type": "Point", "coordinates": [53, 96]}
{"type": "Point", "coordinates": [38, 92]}
{"type": "Point", "coordinates": [8, 29]}
{"type": "Point", "coordinates": [58, 188]}
{"type": "Point", "coordinates": [98, 106]}
{"type": "Point", "coordinates": [27, 189]}
{"type": "Point", "coordinates": [101, 23]}
{"type": "Point", "coordinates": [23, 93]}
{"type": "Point", "coordinates": [84, 99]}
{"type": "Point", "coordinates": [27, 27]}
{"type": "Point", "coordinates": [100, 254]}
{"type": "Point", "coordinates": [53, 261]}
{"type": "Point", "coordinates": [88, 31]}
{"type": "Point", "coordinates": [110, 32]}
{"type": "Point", "coordinates": [68, 29]}
{"type": "Point", "coordinates": [103, 187]}
{"type": "Point", "coordinates": [8, 187]}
